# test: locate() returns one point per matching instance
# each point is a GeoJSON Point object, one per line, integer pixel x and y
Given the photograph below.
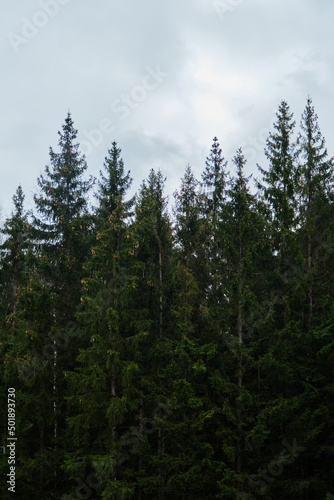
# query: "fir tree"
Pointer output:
{"type": "Point", "coordinates": [193, 418]}
{"type": "Point", "coordinates": [190, 228]}
{"type": "Point", "coordinates": [104, 393]}
{"type": "Point", "coordinates": [247, 253]}
{"type": "Point", "coordinates": [279, 190]}
{"type": "Point", "coordinates": [315, 199]}
{"type": "Point", "coordinates": [154, 231]}
{"type": "Point", "coordinates": [187, 213]}
{"type": "Point", "coordinates": [62, 239]}
{"type": "Point", "coordinates": [214, 187]}
{"type": "Point", "coordinates": [154, 235]}
{"type": "Point", "coordinates": [62, 229]}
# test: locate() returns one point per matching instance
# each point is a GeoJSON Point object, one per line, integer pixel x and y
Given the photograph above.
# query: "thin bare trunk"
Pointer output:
{"type": "Point", "coordinates": [309, 265]}
{"type": "Point", "coordinates": [113, 431]}
{"type": "Point", "coordinates": [141, 429]}
{"type": "Point", "coordinates": [239, 410]}
{"type": "Point", "coordinates": [240, 339]}
{"type": "Point", "coordinates": [161, 448]}
{"type": "Point", "coordinates": [160, 285]}
{"type": "Point", "coordinates": [113, 396]}
{"type": "Point", "coordinates": [55, 393]}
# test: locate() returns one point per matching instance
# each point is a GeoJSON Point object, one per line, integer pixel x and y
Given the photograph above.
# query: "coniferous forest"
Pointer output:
{"type": "Point", "coordinates": [173, 351]}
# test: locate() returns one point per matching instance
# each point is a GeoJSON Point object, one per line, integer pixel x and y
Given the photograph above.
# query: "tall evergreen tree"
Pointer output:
{"type": "Point", "coordinates": [279, 187]}
{"type": "Point", "coordinates": [25, 352]}
{"type": "Point", "coordinates": [47, 304]}
{"type": "Point", "coordinates": [154, 230]}
{"type": "Point", "coordinates": [247, 252]}
{"type": "Point", "coordinates": [62, 228]}
{"type": "Point", "coordinates": [194, 343]}
{"type": "Point", "coordinates": [187, 213]}
{"type": "Point", "coordinates": [315, 201]}
{"type": "Point", "coordinates": [16, 264]}
{"type": "Point", "coordinates": [279, 190]}
{"type": "Point", "coordinates": [104, 395]}
{"type": "Point", "coordinates": [190, 228]}
{"type": "Point", "coordinates": [154, 234]}
{"type": "Point", "coordinates": [308, 383]}
{"type": "Point", "coordinates": [214, 187]}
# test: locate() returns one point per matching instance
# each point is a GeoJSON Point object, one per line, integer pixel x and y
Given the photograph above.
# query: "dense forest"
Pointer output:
{"type": "Point", "coordinates": [173, 352]}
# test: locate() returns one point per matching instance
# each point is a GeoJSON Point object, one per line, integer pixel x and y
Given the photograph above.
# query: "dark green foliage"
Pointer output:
{"type": "Point", "coordinates": [316, 212]}
{"type": "Point", "coordinates": [280, 179]}
{"type": "Point", "coordinates": [190, 233]}
{"type": "Point", "coordinates": [166, 361]}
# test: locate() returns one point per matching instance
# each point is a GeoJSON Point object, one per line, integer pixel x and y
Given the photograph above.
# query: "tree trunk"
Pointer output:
{"type": "Point", "coordinates": [240, 339]}
{"type": "Point", "coordinates": [309, 265]}
{"type": "Point", "coordinates": [160, 286]}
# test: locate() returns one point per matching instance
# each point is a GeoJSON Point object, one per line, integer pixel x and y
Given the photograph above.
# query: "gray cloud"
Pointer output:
{"type": "Point", "coordinates": [226, 76]}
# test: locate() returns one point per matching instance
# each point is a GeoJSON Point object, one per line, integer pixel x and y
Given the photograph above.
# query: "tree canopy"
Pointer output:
{"type": "Point", "coordinates": [173, 353]}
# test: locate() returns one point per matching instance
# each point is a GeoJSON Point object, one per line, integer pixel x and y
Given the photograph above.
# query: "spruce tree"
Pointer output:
{"type": "Point", "coordinates": [187, 213]}
{"type": "Point", "coordinates": [190, 229]}
{"type": "Point", "coordinates": [154, 235]}
{"type": "Point", "coordinates": [26, 352]}
{"type": "Point", "coordinates": [154, 231]}
{"type": "Point", "coordinates": [310, 373]}
{"type": "Point", "coordinates": [280, 180]}
{"type": "Point", "coordinates": [103, 396]}
{"type": "Point", "coordinates": [61, 233]}
{"type": "Point", "coordinates": [315, 200]}
{"type": "Point", "coordinates": [104, 393]}
{"type": "Point", "coordinates": [16, 266]}
{"type": "Point", "coordinates": [279, 190]}
{"type": "Point", "coordinates": [247, 253]}
{"type": "Point", "coordinates": [214, 185]}
{"type": "Point", "coordinates": [63, 226]}
{"type": "Point", "coordinates": [192, 420]}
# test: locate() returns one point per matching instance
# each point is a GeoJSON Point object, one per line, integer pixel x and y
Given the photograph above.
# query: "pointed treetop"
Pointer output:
{"type": "Point", "coordinates": [239, 183]}
{"type": "Point", "coordinates": [154, 188]}
{"type": "Point", "coordinates": [214, 178]}
{"type": "Point", "coordinates": [113, 186]}
{"type": "Point", "coordinates": [16, 229]}
{"type": "Point", "coordinates": [280, 181]}
{"type": "Point", "coordinates": [18, 201]}
{"type": "Point", "coordinates": [315, 169]}
{"type": "Point", "coordinates": [63, 191]}
{"type": "Point", "coordinates": [187, 203]}
{"type": "Point", "coordinates": [187, 197]}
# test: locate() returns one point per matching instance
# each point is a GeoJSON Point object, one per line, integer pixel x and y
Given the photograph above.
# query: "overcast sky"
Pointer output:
{"type": "Point", "coordinates": [162, 78]}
